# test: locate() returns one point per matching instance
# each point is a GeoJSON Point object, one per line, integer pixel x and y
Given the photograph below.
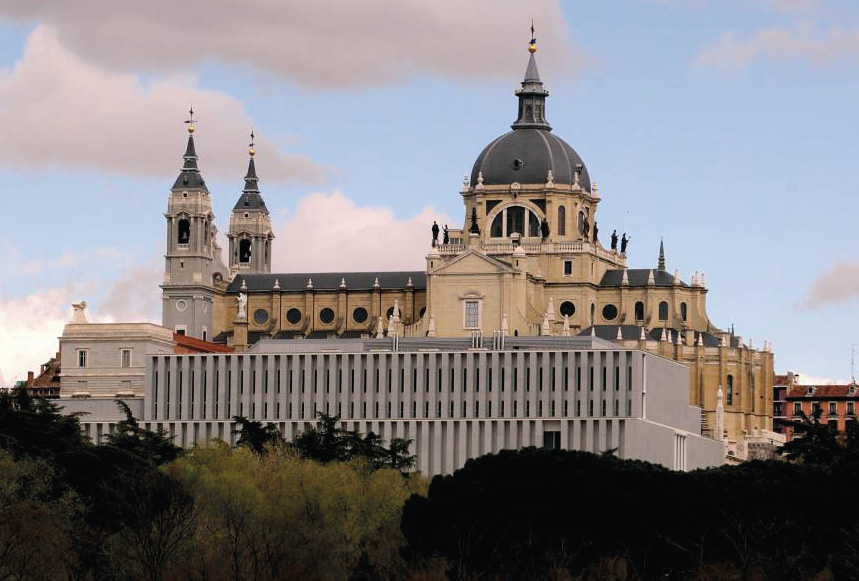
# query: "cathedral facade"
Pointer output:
{"type": "Point", "coordinates": [528, 261]}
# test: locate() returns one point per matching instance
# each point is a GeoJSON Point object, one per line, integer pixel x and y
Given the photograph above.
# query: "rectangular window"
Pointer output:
{"type": "Point", "coordinates": [515, 409]}
{"type": "Point", "coordinates": [832, 408]}
{"type": "Point", "coordinates": [850, 408]}
{"type": "Point", "coordinates": [83, 357]}
{"type": "Point", "coordinates": [125, 358]}
{"type": "Point", "coordinates": [471, 314]}
{"type": "Point", "coordinates": [797, 408]}
{"type": "Point", "coordinates": [568, 268]}
{"type": "Point", "coordinates": [552, 440]}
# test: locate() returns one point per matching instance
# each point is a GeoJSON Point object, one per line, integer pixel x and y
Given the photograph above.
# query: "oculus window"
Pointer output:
{"type": "Point", "coordinates": [260, 316]}
{"type": "Point", "coordinates": [568, 308]}
{"type": "Point", "coordinates": [293, 316]}
{"type": "Point", "coordinates": [360, 315]}
{"type": "Point", "coordinates": [326, 315]}
{"type": "Point", "coordinates": [609, 312]}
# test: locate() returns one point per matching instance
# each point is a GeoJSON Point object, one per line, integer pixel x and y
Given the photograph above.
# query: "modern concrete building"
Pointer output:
{"type": "Point", "coordinates": [454, 398]}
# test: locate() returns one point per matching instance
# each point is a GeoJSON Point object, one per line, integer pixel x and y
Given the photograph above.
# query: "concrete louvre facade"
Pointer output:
{"type": "Point", "coordinates": [454, 401]}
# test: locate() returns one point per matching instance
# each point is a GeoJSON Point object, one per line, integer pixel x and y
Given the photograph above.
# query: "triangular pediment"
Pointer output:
{"type": "Point", "coordinates": [473, 262]}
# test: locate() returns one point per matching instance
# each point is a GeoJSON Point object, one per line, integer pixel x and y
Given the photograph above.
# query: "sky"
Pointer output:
{"type": "Point", "coordinates": [727, 128]}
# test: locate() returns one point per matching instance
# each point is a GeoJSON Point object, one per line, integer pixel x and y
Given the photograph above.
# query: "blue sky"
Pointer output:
{"type": "Point", "coordinates": [725, 127]}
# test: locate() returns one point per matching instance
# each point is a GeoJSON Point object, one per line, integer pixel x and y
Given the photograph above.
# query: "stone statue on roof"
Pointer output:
{"type": "Point", "coordinates": [446, 239]}
{"type": "Point", "coordinates": [243, 305]}
{"type": "Point", "coordinates": [434, 233]}
{"type": "Point", "coordinates": [614, 240]}
{"type": "Point", "coordinates": [544, 229]}
{"type": "Point", "coordinates": [623, 242]}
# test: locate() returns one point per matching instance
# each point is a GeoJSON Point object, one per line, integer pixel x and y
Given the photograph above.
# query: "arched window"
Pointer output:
{"type": "Point", "coordinates": [562, 221]}
{"type": "Point", "coordinates": [184, 231]}
{"type": "Point", "coordinates": [752, 391]}
{"type": "Point", "coordinates": [639, 311]}
{"type": "Point", "coordinates": [245, 251]}
{"type": "Point", "coordinates": [516, 219]}
{"type": "Point", "coordinates": [729, 391]}
{"type": "Point", "coordinates": [497, 228]}
{"type": "Point", "coordinates": [663, 311]}
{"type": "Point", "coordinates": [683, 311]}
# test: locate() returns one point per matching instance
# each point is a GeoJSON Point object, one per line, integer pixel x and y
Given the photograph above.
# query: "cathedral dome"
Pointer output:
{"type": "Point", "coordinates": [530, 151]}
{"type": "Point", "coordinates": [525, 155]}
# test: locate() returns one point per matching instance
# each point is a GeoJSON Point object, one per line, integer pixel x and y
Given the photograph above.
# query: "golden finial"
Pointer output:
{"type": "Point", "coordinates": [190, 120]}
{"type": "Point", "coordinates": [532, 46]}
{"type": "Point", "coordinates": [251, 150]}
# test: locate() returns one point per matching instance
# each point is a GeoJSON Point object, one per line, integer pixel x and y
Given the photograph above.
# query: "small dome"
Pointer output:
{"type": "Point", "coordinates": [526, 156]}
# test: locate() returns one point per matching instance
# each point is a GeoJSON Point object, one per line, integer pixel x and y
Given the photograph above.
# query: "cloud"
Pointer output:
{"type": "Point", "coordinates": [133, 297]}
{"type": "Point", "coordinates": [837, 285]}
{"type": "Point", "coordinates": [329, 232]}
{"type": "Point", "coordinates": [804, 379]}
{"type": "Point", "coordinates": [31, 326]}
{"type": "Point", "coordinates": [322, 44]}
{"type": "Point", "coordinates": [56, 110]}
{"type": "Point", "coordinates": [801, 43]}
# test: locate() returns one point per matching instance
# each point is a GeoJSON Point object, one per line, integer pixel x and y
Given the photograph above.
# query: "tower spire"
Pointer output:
{"type": "Point", "coordinates": [251, 179]}
{"type": "Point", "coordinates": [661, 263]}
{"type": "Point", "coordinates": [532, 95]}
{"type": "Point", "coordinates": [189, 175]}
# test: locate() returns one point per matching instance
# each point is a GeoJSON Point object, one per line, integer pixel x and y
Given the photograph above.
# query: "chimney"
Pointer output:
{"type": "Point", "coordinates": [29, 377]}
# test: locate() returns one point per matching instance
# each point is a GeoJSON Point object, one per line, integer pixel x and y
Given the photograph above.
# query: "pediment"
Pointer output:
{"type": "Point", "coordinates": [473, 262]}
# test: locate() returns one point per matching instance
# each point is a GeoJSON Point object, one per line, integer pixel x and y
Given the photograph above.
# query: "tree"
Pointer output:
{"type": "Point", "coordinates": [255, 436]}
{"type": "Point", "coordinates": [814, 442]}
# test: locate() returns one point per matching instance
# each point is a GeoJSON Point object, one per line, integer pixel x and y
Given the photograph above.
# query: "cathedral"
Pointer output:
{"type": "Point", "coordinates": [522, 329]}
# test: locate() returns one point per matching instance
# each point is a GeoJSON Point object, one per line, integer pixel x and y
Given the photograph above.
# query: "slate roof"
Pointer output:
{"type": "Point", "coordinates": [633, 333]}
{"type": "Point", "coordinates": [638, 277]}
{"type": "Point", "coordinates": [190, 176]}
{"type": "Point", "coordinates": [328, 281]}
{"type": "Point", "coordinates": [251, 201]}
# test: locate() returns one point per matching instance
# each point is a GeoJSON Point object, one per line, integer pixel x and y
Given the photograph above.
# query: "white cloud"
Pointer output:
{"type": "Point", "coordinates": [329, 232]}
{"type": "Point", "coordinates": [801, 43]}
{"type": "Point", "coordinates": [323, 43]}
{"type": "Point", "coordinates": [58, 110]}
{"type": "Point", "coordinates": [31, 326]}
{"type": "Point", "coordinates": [804, 379]}
{"type": "Point", "coordinates": [837, 285]}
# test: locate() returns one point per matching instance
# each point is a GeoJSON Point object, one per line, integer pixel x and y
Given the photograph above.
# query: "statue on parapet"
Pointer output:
{"type": "Point", "coordinates": [243, 305]}
{"type": "Point", "coordinates": [614, 240]}
{"type": "Point", "coordinates": [434, 234]}
{"type": "Point", "coordinates": [596, 231]}
{"type": "Point", "coordinates": [623, 242]}
{"type": "Point", "coordinates": [446, 239]}
{"type": "Point", "coordinates": [586, 228]}
{"type": "Point", "coordinates": [474, 229]}
{"type": "Point", "coordinates": [544, 229]}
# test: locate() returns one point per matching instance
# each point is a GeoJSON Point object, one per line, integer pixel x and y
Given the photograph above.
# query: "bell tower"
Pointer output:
{"type": "Point", "coordinates": [192, 261]}
{"type": "Point", "coordinates": [250, 233]}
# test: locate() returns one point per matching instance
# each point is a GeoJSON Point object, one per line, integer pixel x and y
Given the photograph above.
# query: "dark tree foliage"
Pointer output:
{"type": "Point", "coordinates": [814, 442]}
{"type": "Point", "coordinates": [533, 513]}
{"type": "Point", "coordinates": [328, 442]}
{"type": "Point", "coordinates": [255, 436]}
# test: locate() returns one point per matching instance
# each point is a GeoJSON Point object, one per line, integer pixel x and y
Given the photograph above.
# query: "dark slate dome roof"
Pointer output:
{"type": "Point", "coordinates": [526, 155]}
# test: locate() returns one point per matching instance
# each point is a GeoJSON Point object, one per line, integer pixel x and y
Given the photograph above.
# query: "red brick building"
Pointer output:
{"type": "Point", "coordinates": [838, 404]}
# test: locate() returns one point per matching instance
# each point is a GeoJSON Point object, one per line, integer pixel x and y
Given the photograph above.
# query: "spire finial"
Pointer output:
{"type": "Point", "coordinates": [661, 264]}
{"type": "Point", "coordinates": [251, 150]}
{"type": "Point", "coordinates": [532, 46]}
{"type": "Point", "coordinates": [190, 121]}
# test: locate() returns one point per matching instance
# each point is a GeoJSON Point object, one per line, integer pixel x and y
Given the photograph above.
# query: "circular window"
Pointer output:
{"type": "Point", "coordinates": [260, 316]}
{"type": "Point", "coordinates": [181, 305]}
{"type": "Point", "coordinates": [609, 312]}
{"type": "Point", "coordinates": [423, 312]}
{"type": "Point", "coordinates": [326, 315]}
{"type": "Point", "coordinates": [568, 308]}
{"type": "Point", "coordinates": [518, 163]}
{"type": "Point", "coordinates": [389, 313]}
{"type": "Point", "coordinates": [293, 316]}
{"type": "Point", "coordinates": [360, 315]}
